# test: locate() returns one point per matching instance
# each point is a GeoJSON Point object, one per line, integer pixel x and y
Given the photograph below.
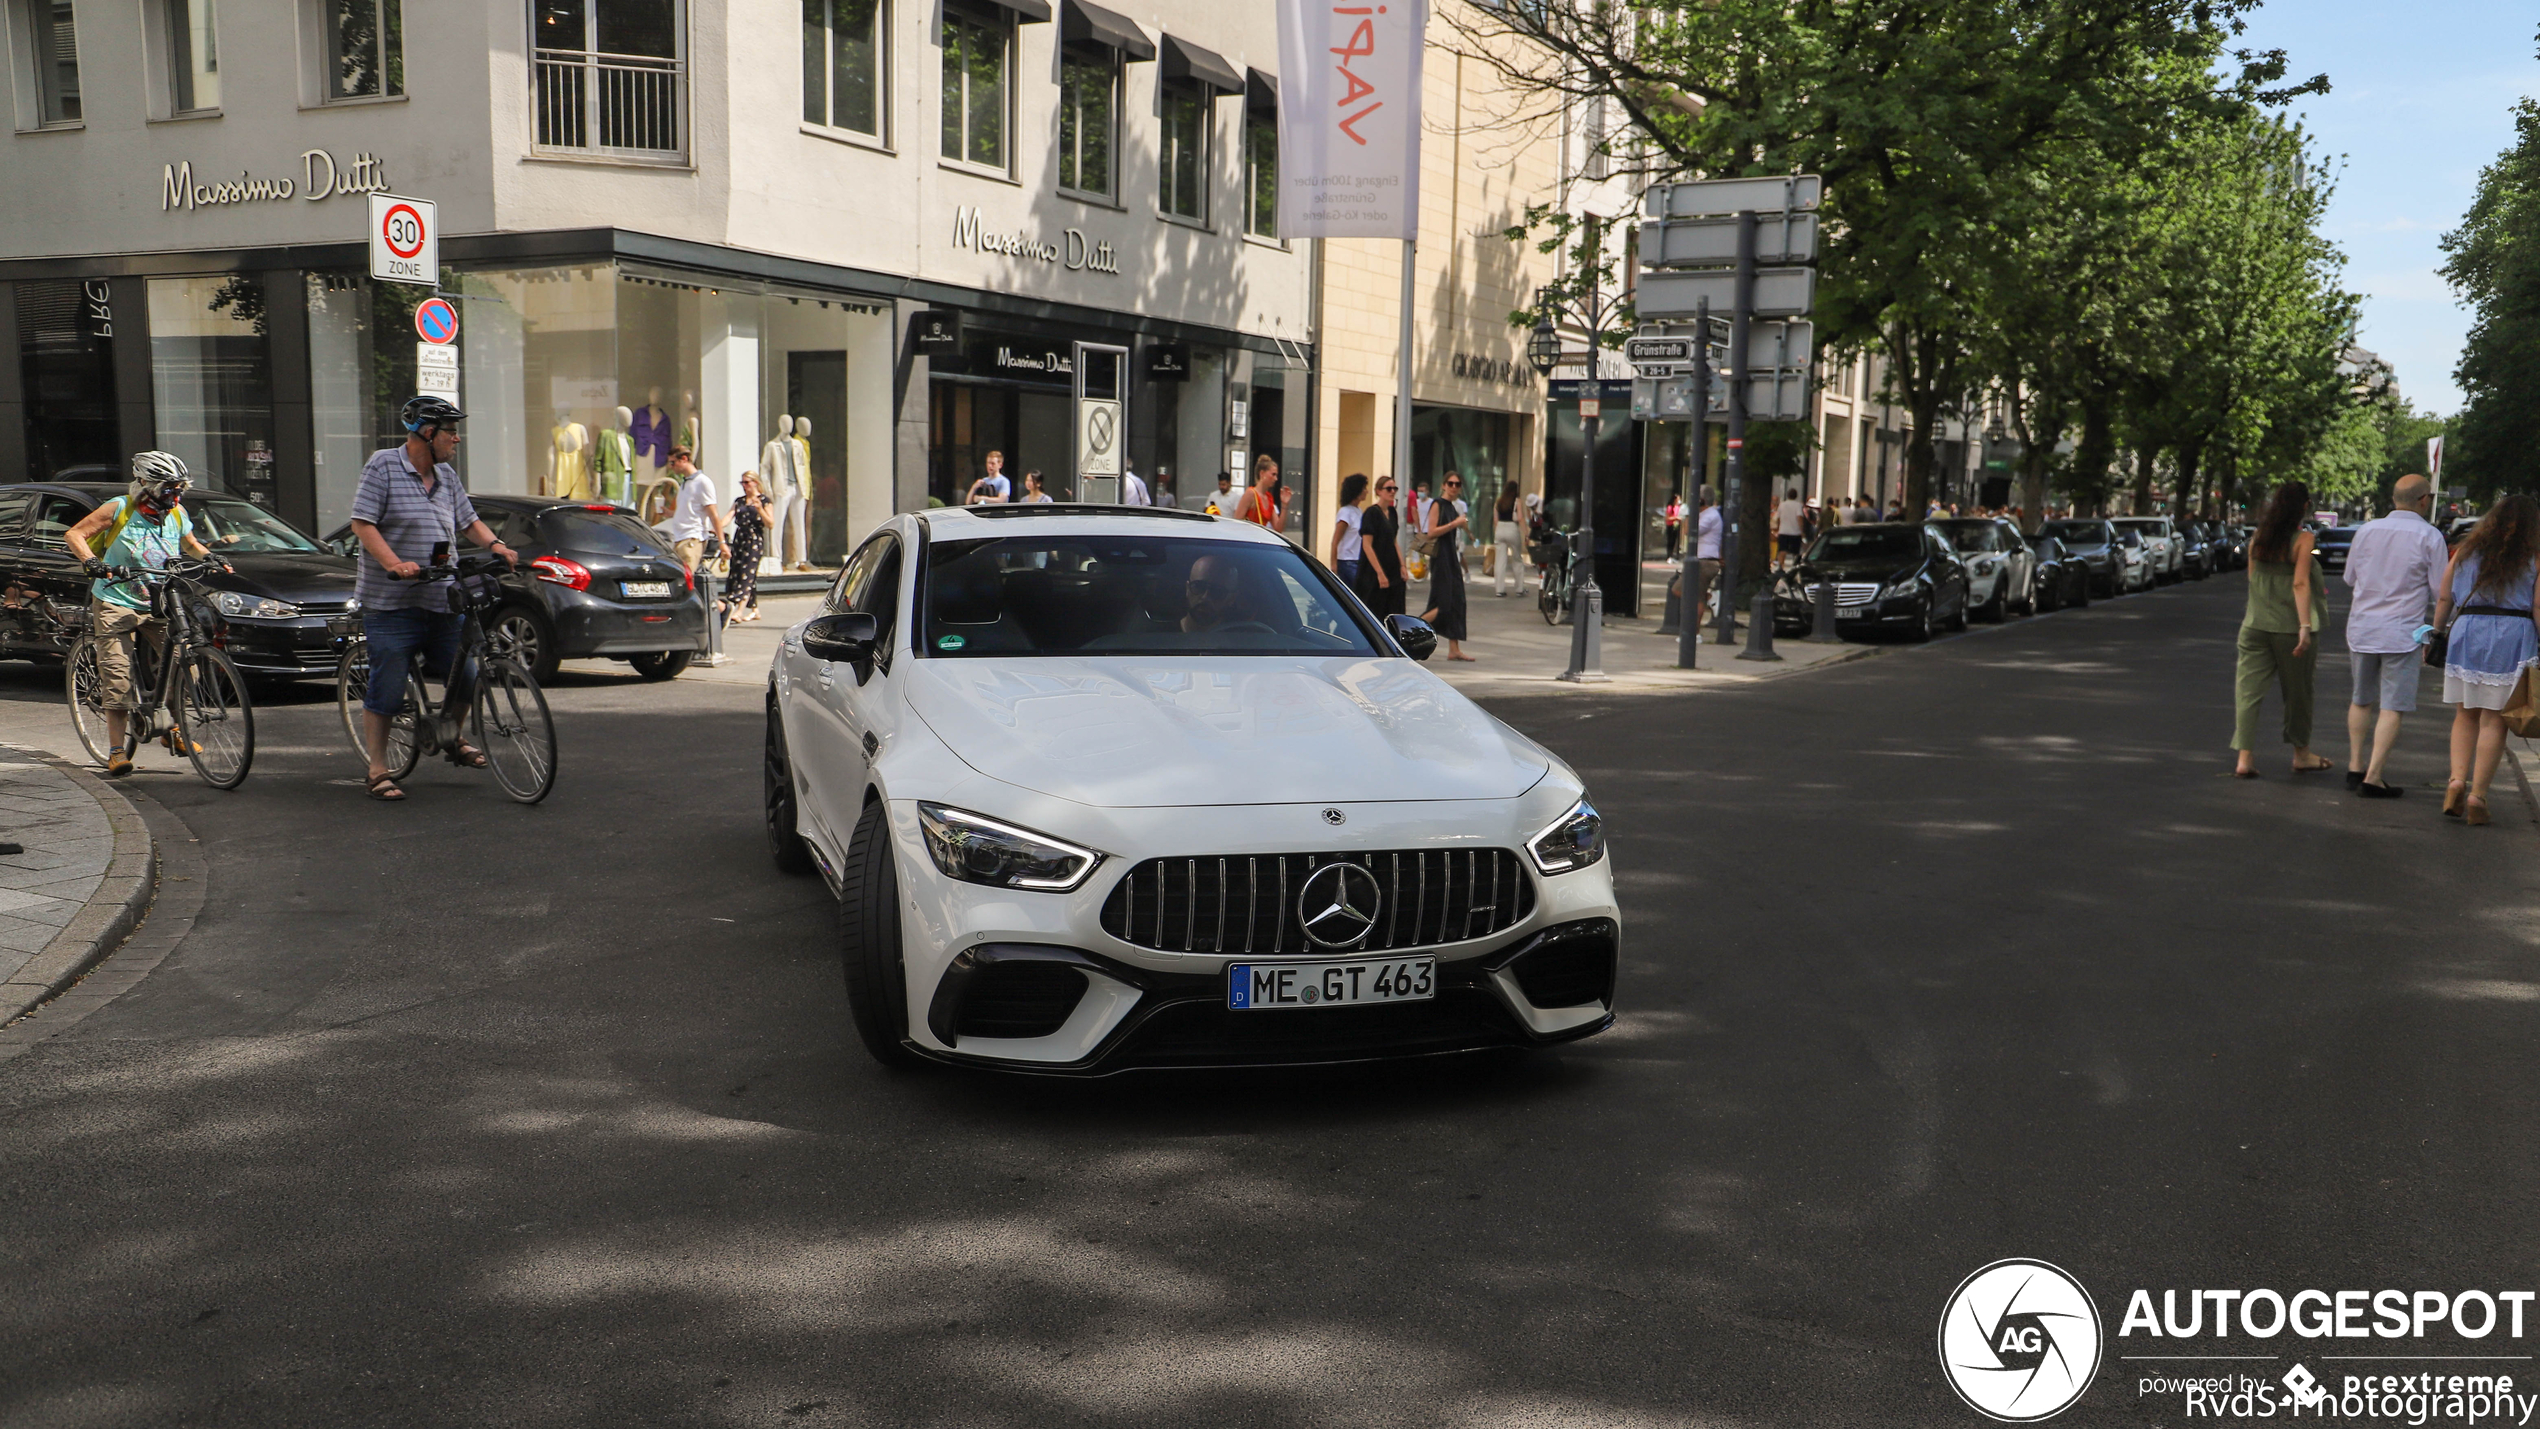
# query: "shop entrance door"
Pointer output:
{"type": "Point", "coordinates": [1101, 384]}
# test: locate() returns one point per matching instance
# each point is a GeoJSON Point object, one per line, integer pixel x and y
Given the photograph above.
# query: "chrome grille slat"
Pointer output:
{"type": "Point", "coordinates": [1190, 906]}
{"type": "Point", "coordinates": [1252, 909]}
{"type": "Point", "coordinates": [1220, 945]}
{"type": "Point", "coordinates": [1279, 911]}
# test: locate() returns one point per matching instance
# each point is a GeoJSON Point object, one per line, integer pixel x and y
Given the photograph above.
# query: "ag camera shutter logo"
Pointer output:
{"type": "Point", "coordinates": [2020, 1341]}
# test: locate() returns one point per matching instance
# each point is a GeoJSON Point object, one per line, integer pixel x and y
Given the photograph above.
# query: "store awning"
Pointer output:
{"type": "Point", "coordinates": [1184, 60]}
{"type": "Point", "coordinates": [1025, 12]}
{"type": "Point", "coordinates": [1078, 20]}
{"type": "Point", "coordinates": [1261, 91]}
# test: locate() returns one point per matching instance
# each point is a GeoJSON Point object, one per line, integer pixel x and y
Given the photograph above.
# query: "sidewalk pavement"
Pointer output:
{"type": "Point", "coordinates": [86, 876]}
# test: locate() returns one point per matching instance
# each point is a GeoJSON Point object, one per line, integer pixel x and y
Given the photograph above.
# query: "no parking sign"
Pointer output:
{"type": "Point", "coordinates": [436, 322]}
{"type": "Point", "coordinates": [405, 240]}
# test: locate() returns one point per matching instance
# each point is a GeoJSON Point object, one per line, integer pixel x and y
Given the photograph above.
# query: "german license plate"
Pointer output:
{"type": "Point", "coordinates": [637, 590]}
{"type": "Point", "coordinates": [1263, 987]}
{"type": "Point", "coordinates": [1854, 612]}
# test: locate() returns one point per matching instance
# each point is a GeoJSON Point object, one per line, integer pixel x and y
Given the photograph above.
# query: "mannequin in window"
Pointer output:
{"type": "Point", "coordinates": [652, 433]}
{"type": "Point", "coordinates": [614, 460]}
{"type": "Point", "coordinates": [799, 516]}
{"type": "Point", "coordinates": [569, 461]}
{"type": "Point", "coordinates": [690, 428]}
{"type": "Point", "coordinates": [781, 474]}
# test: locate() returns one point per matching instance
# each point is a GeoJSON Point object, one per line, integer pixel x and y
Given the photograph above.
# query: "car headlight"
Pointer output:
{"type": "Point", "coordinates": [230, 602]}
{"type": "Point", "coordinates": [1897, 590]}
{"type": "Point", "coordinates": [976, 849]}
{"type": "Point", "coordinates": [1574, 841]}
{"type": "Point", "coordinates": [1985, 566]}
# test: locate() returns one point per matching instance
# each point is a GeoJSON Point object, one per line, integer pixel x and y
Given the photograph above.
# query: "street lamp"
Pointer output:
{"type": "Point", "coordinates": [1543, 352]}
{"type": "Point", "coordinates": [1543, 348]}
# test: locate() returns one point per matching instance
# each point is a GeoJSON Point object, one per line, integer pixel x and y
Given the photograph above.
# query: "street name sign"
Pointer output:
{"type": "Point", "coordinates": [405, 240]}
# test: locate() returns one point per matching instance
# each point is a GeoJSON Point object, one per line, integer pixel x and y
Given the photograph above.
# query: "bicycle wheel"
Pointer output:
{"type": "Point", "coordinates": [84, 686]}
{"type": "Point", "coordinates": [1549, 600]}
{"type": "Point", "coordinates": [514, 730]}
{"type": "Point", "coordinates": [352, 679]}
{"type": "Point", "coordinates": [213, 718]}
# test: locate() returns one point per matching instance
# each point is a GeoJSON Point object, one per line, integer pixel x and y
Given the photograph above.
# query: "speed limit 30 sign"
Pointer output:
{"type": "Point", "coordinates": [405, 240]}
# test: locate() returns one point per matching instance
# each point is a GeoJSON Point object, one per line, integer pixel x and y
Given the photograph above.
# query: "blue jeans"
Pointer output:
{"type": "Point", "coordinates": [1348, 571]}
{"type": "Point", "coordinates": [394, 636]}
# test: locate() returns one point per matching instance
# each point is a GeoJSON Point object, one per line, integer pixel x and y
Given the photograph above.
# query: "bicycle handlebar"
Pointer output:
{"type": "Point", "coordinates": [467, 565]}
{"type": "Point", "coordinates": [173, 570]}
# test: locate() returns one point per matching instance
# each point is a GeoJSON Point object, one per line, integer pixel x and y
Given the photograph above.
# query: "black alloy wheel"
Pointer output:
{"type": "Point", "coordinates": [522, 629]}
{"type": "Point", "coordinates": [661, 664]}
{"type": "Point", "coordinates": [869, 941]}
{"type": "Point", "coordinates": [784, 833]}
{"type": "Point", "coordinates": [1921, 633]}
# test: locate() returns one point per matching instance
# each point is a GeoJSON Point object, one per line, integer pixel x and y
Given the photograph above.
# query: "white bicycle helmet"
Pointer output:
{"type": "Point", "coordinates": [161, 475]}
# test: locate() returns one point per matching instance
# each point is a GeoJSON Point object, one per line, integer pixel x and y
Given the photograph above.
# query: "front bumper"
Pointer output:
{"type": "Point", "coordinates": [1794, 615]}
{"type": "Point", "coordinates": [299, 646]}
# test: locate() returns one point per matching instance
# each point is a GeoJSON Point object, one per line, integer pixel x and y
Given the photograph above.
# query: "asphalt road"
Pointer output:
{"type": "Point", "coordinates": [465, 1113]}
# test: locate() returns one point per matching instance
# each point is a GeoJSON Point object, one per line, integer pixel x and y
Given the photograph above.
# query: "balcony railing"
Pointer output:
{"type": "Point", "coordinates": [624, 106]}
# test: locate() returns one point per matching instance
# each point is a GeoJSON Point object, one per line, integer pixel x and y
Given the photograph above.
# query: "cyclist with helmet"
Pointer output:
{"type": "Point", "coordinates": [147, 527]}
{"type": "Point", "coordinates": [410, 501]}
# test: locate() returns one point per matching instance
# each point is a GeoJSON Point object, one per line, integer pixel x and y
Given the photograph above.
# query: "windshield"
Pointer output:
{"type": "Point", "coordinates": [597, 533]}
{"type": "Point", "coordinates": [234, 528]}
{"type": "Point", "coordinates": [1973, 536]}
{"type": "Point", "coordinates": [2085, 533]}
{"type": "Point", "coordinates": [1131, 595]}
{"type": "Point", "coordinates": [1866, 543]}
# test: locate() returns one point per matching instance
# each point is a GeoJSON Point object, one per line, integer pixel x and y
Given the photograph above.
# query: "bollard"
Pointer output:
{"type": "Point", "coordinates": [1824, 633]}
{"type": "Point", "coordinates": [1673, 622]}
{"type": "Point", "coordinates": [1759, 628]}
{"type": "Point", "coordinates": [714, 618]}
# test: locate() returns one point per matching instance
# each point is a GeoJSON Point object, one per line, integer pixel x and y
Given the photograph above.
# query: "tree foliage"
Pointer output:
{"type": "Point", "coordinates": [2495, 265]}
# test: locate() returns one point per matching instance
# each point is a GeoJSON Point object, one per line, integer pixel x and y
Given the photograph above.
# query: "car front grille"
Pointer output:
{"type": "Point", "coordinates": [1246, 903]}
{"type": "Point", "coordinates": [1855, 593]}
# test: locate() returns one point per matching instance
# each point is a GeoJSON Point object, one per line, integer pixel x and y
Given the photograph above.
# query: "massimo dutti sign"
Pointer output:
{"type": "Point", "coordinates": [1074, 251]}
{"type": "Point", "coordinates": [320, 177]}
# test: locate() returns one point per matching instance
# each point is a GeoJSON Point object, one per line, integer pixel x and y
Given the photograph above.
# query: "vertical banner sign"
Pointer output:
{"type": "Point", "coordinates": [1349, 118]}
{"type": "Point", "coordinates": [2434, 461]}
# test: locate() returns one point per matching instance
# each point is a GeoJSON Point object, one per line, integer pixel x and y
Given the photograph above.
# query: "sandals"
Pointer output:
{"type": "Point", "coordinates": [2476, 813]}
{"type": "Point", "coordinates": [383, 787]}
{"type": "Point", "coordinates": [2455, 794]}
{"type": "Point", "coordinates": [467, 756]}
{"type": "Point", "coordinates": [2322, 767]}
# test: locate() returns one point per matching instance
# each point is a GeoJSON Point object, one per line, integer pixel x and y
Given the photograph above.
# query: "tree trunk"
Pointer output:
{"type": "Point", "coordinates": [2097, 448]}
{"type": "Point", "coordinates": [2142, 481]}
{"type": "Point", "coordinates": [2191, 457]}
{"type": "Point", "coordinates": [1755, 533]}
{"type": "Point", "coordinates": [2033, 460]}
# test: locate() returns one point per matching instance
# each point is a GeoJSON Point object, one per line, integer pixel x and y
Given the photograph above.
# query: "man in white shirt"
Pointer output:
{"type": "Point", "coordinates": [1133, 492]}
{"type": "Point", "coordinates": [1791, 528]}
{"type": "Point", "coordinates": [1706, 556]}
{"type": "Point", "coordinates": [695, 518]}
{"type": "Point", "coordinates": [2395, 569]}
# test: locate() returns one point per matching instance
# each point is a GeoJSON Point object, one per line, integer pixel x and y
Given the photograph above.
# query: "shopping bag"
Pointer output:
{"type": "Point", "coordinates": [2522, 712]}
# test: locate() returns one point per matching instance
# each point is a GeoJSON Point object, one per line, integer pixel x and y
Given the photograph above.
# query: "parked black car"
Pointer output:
{"type": "Point", "coordinates": [2196, 558]}
{"type": "Point", "coordinates": [2093, 543]}
{"type": "Point", "coordinates": [593, 581]}
{"type": "Point", "coordinates": [2062, 578]}
{"type": "Point", "coordinates": [2332, 544]}
{"type": "Point", "coordinates": [1888, 576]}
{"type": "Point", "coordinates": [270, 616]}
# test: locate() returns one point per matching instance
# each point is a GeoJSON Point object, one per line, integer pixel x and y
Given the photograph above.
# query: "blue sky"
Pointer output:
{"type": "Point", "coordinates": [2421, 101]}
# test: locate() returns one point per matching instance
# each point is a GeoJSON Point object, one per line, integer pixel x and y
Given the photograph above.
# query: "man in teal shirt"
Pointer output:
{"type": "Point", "coordinates": [153, 535]}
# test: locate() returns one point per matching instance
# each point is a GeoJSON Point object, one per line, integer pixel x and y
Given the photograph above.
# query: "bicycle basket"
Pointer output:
{"type": "Point", "coordinates": [343, 626]}
{"type": "Point", "coordinates": [479, 591]}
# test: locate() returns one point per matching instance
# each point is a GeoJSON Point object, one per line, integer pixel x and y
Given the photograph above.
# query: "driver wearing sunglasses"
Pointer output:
{"type": "Point", "coordinates": [1215, 582]}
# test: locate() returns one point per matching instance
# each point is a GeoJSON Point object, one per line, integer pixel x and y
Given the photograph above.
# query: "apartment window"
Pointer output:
{"type": "Point", "coordinates": [193, 41]}
{"type": "Point", "coordinates": [612, 78]}
{"type": "Point", "coordinates": [977, 55]}
{"type": "Point", "coordinates": [365, 48]}
{"type": "Point", "coordinates": [843, 64]}
{"type": "Point", "coordinates": [53, 52]}
{"type": "Point", "coordinates": [1261, 156]}
{"type": "Point", "coordinates": [1088, 119]}
{"type": "Point", "coordinates": [1182, 160]}
{"type": "Point", "coordinates": [1599, 164]}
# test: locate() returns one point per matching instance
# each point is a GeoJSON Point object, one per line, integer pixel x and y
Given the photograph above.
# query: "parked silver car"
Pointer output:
{"type": "Point", "coordinates": [2163, 550]}
{"type": "Point", "coordinates": [2001, 569]}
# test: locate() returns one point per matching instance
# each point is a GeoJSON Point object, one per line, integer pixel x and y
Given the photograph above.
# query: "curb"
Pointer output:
{"type": "Point", "coordinates": [112, 912]}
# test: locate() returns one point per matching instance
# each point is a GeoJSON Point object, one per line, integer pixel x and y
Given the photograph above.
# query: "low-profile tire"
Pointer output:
{"type": "Point", "coordinates": [1921, 633]}
{"type": "Point", "coordinates": [869, 940]}
{"type": "Point", "coordinates": [522, 629]}
{"type": "Point", "coordinates": [784, 830]}
{"type": "Point", "coordinates": [661, 664]}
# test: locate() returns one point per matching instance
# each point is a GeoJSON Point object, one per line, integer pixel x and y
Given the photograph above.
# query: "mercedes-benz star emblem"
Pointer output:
{"type": "Point", "coordinates": [1338, 904]}
{"type": "Point", "coordinates": [1335, 816]}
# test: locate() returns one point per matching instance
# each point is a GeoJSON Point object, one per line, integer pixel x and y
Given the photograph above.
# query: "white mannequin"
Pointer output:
{"type": "Point", "coordinates": [800, 515]}
{"type": "Point", "coordinates": [778, 471]}
{"type": "Point", "coordinates": [613, 460]}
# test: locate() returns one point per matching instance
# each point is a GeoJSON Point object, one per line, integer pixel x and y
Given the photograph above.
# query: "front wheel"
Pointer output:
{"type": "Point", "coordinates": [214, 719]}
{"type": "Point", "coordinates": [513, 728]}
{"type": "Point", "coordinates": [85, 686]}
{"type": "Point", "coordinates": [869, 941]}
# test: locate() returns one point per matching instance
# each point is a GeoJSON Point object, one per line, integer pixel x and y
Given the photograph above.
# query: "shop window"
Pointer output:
{"type": "Point", "coordinates": [49, 63]}
{"type": "Point", "coordinates": [978, 55]}
{"type": "Point", "coordinates": [1261, 169]}
{"type": "Point", "coordinates": [1088, 119]}
{"type": "Point", "coordinates": [844, 64]}
{"type": "Point", "coordinates": [211, 381]}
{"type": "Point", "coordinates": [610, 78]}
{"type": "Point", "coordinates": [66, 359]}
{"type": "Point", "coordinates": [363, 43]}
{"type": "Point", "coordinates": [1182, 160]}
{"type": "Point", "coordinates": [192, 46]}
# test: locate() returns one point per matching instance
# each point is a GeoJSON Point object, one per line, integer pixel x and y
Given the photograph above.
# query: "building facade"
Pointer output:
{"type": "Point", "coordinates": [679, 221]}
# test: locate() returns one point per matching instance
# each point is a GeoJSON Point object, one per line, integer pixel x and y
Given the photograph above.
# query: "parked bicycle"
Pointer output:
{"type": "Point", "coordinates": [490, 699]}
{"type": "Point", "coordinates": [1554, 555]}
{"type": "Point", "coordinates": [207, 716]}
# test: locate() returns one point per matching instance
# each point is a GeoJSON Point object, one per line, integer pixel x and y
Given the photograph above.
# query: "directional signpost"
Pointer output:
{"type": "Point", "coordinates": [1703, 250]}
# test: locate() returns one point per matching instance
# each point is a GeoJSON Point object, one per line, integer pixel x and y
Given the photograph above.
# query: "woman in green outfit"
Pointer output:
{"type": "Point", "coordinates": [2279, 632]}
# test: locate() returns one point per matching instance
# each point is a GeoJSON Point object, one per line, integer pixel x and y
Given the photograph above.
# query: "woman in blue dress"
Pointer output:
{"type": "Point", "coordinates": [2494, 638]}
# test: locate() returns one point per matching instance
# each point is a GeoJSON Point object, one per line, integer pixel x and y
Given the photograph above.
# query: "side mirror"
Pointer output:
{"type": "Point", "coordinates": [1413, 634]}
{"type": "Point", "coordinates": [848, 636]}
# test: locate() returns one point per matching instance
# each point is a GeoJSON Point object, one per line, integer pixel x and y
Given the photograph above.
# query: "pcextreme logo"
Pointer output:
{"type": "Point", "coordinates": [2019, 1341]}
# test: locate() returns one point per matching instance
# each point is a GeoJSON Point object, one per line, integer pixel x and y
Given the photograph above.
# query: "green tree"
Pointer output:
{"type": "Point", "coordinates": [2495, 265]}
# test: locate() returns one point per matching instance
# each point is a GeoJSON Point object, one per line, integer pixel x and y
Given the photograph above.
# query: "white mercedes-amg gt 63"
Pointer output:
{"type": "Point", "coordinates": [1101, 788]}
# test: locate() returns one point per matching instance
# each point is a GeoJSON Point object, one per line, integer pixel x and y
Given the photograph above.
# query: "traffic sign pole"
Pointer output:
{"type": "Point", "coordinates": [1734, 478]}
{"type": "Point", "coordinates": [1689, 620]}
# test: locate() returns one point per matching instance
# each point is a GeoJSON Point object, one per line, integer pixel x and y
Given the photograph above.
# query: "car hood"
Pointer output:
{"type": "Point", "coordinates": [298, 579]}
{"type": "Point", "coordinates": [1152, 732]}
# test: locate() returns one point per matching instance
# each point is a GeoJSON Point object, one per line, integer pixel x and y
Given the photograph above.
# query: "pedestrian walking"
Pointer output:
{"type": "Point", "coordinates": [696, 526]}
{"type": "Point", "coordinates": [1381, 581]}
{"type": "Point", "coordinates": [1260, 501]}
{"type": "Point", "coordinates": [1508, 556]}
{"type": "Point", "coordinates": [2395, 568]}
{"type": "Point", "coordinates": [1033, 494]}
{"type": "Point", "coordinates": [1347, 539]}
{"type": "Point", "coordinates": [1790, 528]}
{"type": "Point", "coordinates": [2279, 632]}
{"type": "Point", "coordinates": [2493, 642]}
{"type": "Point", "coordinates": [1447, 515]}
{"type": "Point", "coordinates": [1221, 502]}
{"type": "Point", "coordinates": [1706, 556]}
{"type": "Point", "coordinates": [1133, 489]}
{"type": "Point", "coordinates": [749, 542]}
{"type": "Point", "coordinates": [992, 485]}
{"type": "Point", "coordinates": [1675, 515]}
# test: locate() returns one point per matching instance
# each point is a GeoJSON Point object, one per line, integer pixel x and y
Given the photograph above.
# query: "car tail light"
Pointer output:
{"type": "Point", "coordinates": [562, 572]}
{"type": "Point", "coordinates": [597, 506]}
{"type": "Point", "coordinates": [690, 577]}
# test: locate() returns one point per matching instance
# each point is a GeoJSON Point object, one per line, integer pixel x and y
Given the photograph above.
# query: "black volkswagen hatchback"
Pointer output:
{"type": "Point", "coordinates": [272, 613]}
{"type": "Point", "coordinates": [593, 581]}
{"type": "Point", "coordinates": [1899, 577]}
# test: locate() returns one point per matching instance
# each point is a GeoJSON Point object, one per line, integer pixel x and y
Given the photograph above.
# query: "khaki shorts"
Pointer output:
{"type": "Point", "coordinates": [691, 553]}
{"type": "Point", "coordinates": [114, 626]}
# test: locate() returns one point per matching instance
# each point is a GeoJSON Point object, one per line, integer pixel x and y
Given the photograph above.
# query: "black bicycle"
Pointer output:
{"type": "Point", "coordinates": [500, 710]}
{"type": "Point", "coordinates": [207, 716]}
{"type": "Point", "coordinates": [1554, 554]}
